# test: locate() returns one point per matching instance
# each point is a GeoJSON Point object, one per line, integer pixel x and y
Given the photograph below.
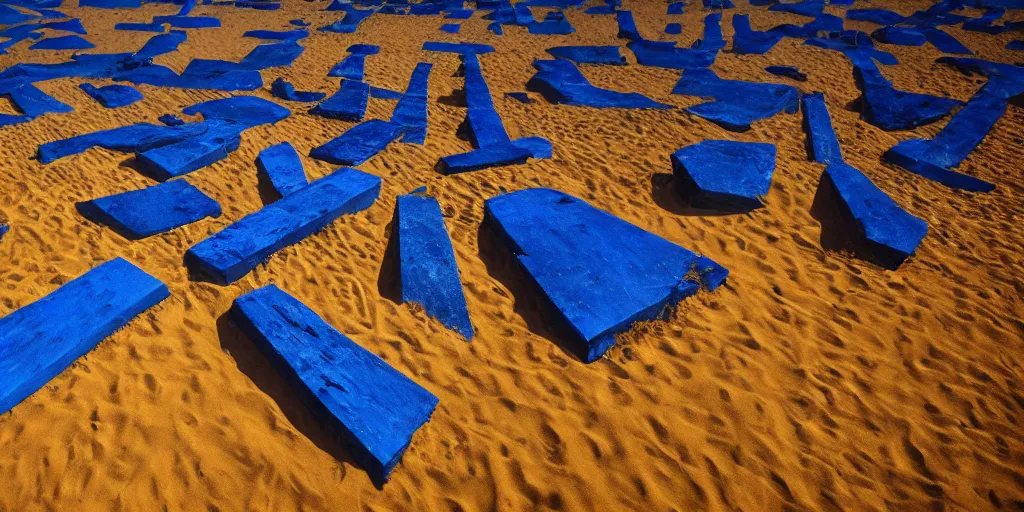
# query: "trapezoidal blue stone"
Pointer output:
{"type": "Point", "coordinates": [890, 233]}
{"type": "Point", "coordinates": [359, 143]}
{"type": "Point", "coordinates": [72, 42]}
{"type": "Point", "coordinates": [286, 91]}
{"type": "Point", "coordinates": [351, 67]}
{"type": "Point", "coordinates": [736, 104]}
{"type": "Point", "coordinates": [233, 252]}
{"type": "Point", "coordinates": [749, 41]}
{"type": "Point", "coordinates": [598, 274]}
{"type": "Point", "coordinates": [451, 28]}
{"type": "Point", "coordinates": [112, 96]}
{"type": "Point", "coordinates": [821, 138]}
{"type": "Point", "coordinates": [411, 111]}
{"type": "Point", "coordinates": [428, 273]}
{"type": "Point", "coordinates": [180, 158]}
{"type": "Point", "coordinates": [281, 165]}
{"type": "Point", "coordinates": [724, 174]}
{"type": "Point", "coordinates": [589, 54]}
{"type": "Point", "coordinates": [40, 340]}
{"type": "Point", "coordinates": [347, 104]}
{"type": "Point", "coordinates": [157, 209]}
{"type": "Point", "coordinates": [559, 81]}
{"type": "Point", "coordinates": [372, 407]}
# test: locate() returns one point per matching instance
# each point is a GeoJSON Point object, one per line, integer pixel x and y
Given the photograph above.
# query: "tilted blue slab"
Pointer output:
{"type": "Point", "coordinates": [788, 72]}
{"type": "Point", "coordinates": [136, 137]}
{"type": "Point", "coordinates": [903, 36]}
{"type": "Point", "coordinates": [359, 143]}
{"type": "Point", "coordinates": [675, 8]}
{"type": "Point", "coordinates": [348, 103]}
{"type": "Point", "coordinates": [157, 209]}
{"type": "Point", "coordinates": [749, 41]}
{"type": "Point", "coordinates": [736, 104]}
{"type": "Point", "coordinates": [72, 42]}
{"type": "Point", "coordinates": [712, 39]}
{"type": "Point", "coordinates": [372, 407]}
{"type": "Point", "coordinates": [944, 42]}
{"type": "Point", "coordinates": [823, 145]}
{"type": "Point", "coordinates": [281, 165]}
{"type": "Point", "coordinates": [33, 102]}
{"type": "Point", "coordinates": [725, 174]}
{"type": "Point", "coordinates": [428, 273]}
{"type": "Point", "coordinates": [589, 54]}
{"type": "Point", "coordinates": [889, 108]}
{"type": "Point", "coordinates": [233, 252]}
{"type": "Point", "coordinates": [891, 232]}
{"type": "Point", "coordinates": [411, 111]}
{"type": "Point", "coordinates": [112, 96]}
{"type": "Point", "coordinates": [464, 48]}
{"type": "Point", "coordinates": [40, 340]}
{"type": "Point", "coordinates": [559, 81]}
{"type": "Point", "coordinates": [597, 273]}
{"type": "Point", "coordinates": [351, 67]}
{"type": "Point", "coordinates": [451, 28]}
{"type": "Point", "coordinates": [220, 139]}
{"type": "Point", "coordinates": [286, 91]}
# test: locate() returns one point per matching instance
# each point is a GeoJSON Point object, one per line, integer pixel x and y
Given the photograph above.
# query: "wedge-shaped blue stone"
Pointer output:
{"type": "Point", "coordinates": [597, 273]}
{"type": "Point", "coordinates": [428, 273]}
{"type": "Point", "coordinates": [725, 174]}
{"type": "Point", "coordinates": [374, 408]}
{"type": "Point", "coordinates": [232, 253]}
{"type": "Point", "coordinates": [359, 143]}
{"type": "Point", "coordinates": [281, 166]}
{"type": "Point", "coordinates": [141, 213]}
{"type": "Point", "coordinates": [40, 340]}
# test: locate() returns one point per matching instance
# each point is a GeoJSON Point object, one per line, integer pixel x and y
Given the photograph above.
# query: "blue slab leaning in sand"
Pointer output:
{"type": "Point", "coordinates": [347, 104]}
{"type": "Point", "coordinates": [286, 91]}
{"type": "Point", "coordinates": [597, 273]}
{"type": "Point", "coordinates": [157, 209]}
{"type": "Point", "coordinates": [428, 273]}
{"type": "Point", "coordinates": [233, 252]}
{"type": "Point", "coordinates": [359, 143]}
{"type": "Point", "coordinates": [411, 111]}
{"type": "Point", "coordinates": [281, 165]}
{"type": "Point", "coordinates": [822, 145]}
{"type": "Point", "coordinates": [736, 104]}
{"type": "Point", "coordinates": [725, 174]}
{"type": "Point", "coordinates": [40, 340]}
{"type": "Point", "coordinates": [374, 408]}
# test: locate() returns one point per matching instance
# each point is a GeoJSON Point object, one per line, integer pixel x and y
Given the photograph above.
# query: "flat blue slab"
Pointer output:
{"type": "Point", "coordinates": [135, 138]}
{"type": "Point", "coordinates": [153, 210]}
{"type": "Point", "coordinates": [675, 8]}
{"type": "Point", "coordinates": [891, 232]}
{"type": "Point", "coordinates": [220, 139]}
{"type": "Point", "coordinates": [712, 39]}
{"type": "Point", "coordinates": [411, 111]}
{"type": "Point", "coordinates": [348, 103]}
{"type": "Point", "coordinates": [589, 54]}
{"type": "Point", "coordinates": [725, 175]}
{"type": "Point", "coordinates": [286, 91]}
{"type": "Point", "coordinates": [459, 14]}
{"type": "Point", "coordinates": [364, 49]}
{"type": "Point", "coordinates": [233, 252]}
{"type": "Point", "coordinates": [1015, 45]}
{"type": "Point", "coordinates": [359, 143]}
{"type": "Point", "coordinates": [673, 29]}
{"type": "Point", "coordinates": [141, 27]}
{"type": "Point", "coordinates": [888, 108]}
{"type": "Point", "coordinates": [788, 72]}
{"type": "Point", "coordinates": [554, 24]}
{"type": "Point", "coordinates": [428, 273]}
{"type": "Point", "coordinates": [112, 96]}
{"type": "Point", "coordinates": [597, 273]}
{"type": "Point", "coordinates": [40, 340]}
{"type": "Point", "coordinates": [374, 408]}
{"type": "Point", "coordinates": [451, 28]}
{"type": "Point", "coordinates": [560, 82]}
{"type": "Point", "coordinates": [464, 48]}
{"type": "Point", "coordinates": [749, 41]}
{"type": "Point", "coordinates": [33, 102]}
{"type": "Point", "coordinates": [351, 67]}
{"type": "Point", "coordinates": [736, 104]}
{"type": "Point", "coordinates": [822, 143]}
{"type": "Point", "coordinates": [667, 55]}
{"type": "Point", "coordinates": [281, 165]}
{"type": "Point", "coordinates": [247, 111]}
{"type": "Point", "coordinates": [72, 42]}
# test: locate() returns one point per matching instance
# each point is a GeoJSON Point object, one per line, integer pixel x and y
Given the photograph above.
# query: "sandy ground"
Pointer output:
{"type": "Point", "coordinates": [812, 381]}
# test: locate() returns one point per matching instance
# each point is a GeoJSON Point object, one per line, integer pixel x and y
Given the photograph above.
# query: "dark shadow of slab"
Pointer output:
{"type": "Point", "coordinates": [667, 193]}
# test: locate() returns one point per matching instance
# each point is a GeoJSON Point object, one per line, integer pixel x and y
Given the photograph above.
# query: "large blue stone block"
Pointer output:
{"type": "Point", "coordinates": [157, 209]}
{"type": "Point", "coordinates": [233, 252]}
{"type": "Point", "coordinates": [596, 273]}
{"type": "Point", "coordinates": [374, 408]}
{"type": "Point", "coordinates": [72, 42]}
{"type": "Point", "coordinates": [281, 165]}
{"type": "Point", "coordinates": [112, 96]}
{"type": "Point", "coordinates": [428, 273]}
{"type": "Point", "coordinates": [736, 104]}
{"type": "Point", "coordinates": [40, 340]}
{"type": "Point", "coordinates": [286, 91]}
{"type": "Point", "coordinates": [725, 175]}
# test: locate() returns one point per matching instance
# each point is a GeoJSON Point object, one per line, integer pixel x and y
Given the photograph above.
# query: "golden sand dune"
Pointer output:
{"type": "Point", "coordinates": [811, 381]}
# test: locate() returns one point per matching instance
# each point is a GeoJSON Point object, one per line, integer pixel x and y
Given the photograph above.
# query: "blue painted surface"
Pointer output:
{"type": "Point", "coordinates": [736, 104]}
{"type": "Point", "coordinates": [233, 252]}
{"type": "Point", "coordinates": [560, 82]}
{"type": "Point", "coordinates": [351, 67]}
{"type": "Point", "coordinates": [411, 111]}
{"type": "Point", "coordinates": [673, 28]}
{"type": "Point", "coordinates": [112, 96]}
{"type": "Point", "coordinates": [823, 145]}
{"type": "Point", "coordinates": [788, 72]}
{"type": "Point", "coordinates": [286, 91]}
{"type": "Point", "coordinates": [136, 137]}
{"type": "Point", "coordinates": [597, 273]}
{"type": "Point", "coordinates": [903, 36]}
{"type": "Point", "coordinates": [40, 340]}
{"type": "Point", "coordinates": [675, 8]}
{"type": "Point", "coordinates": [373, 407]}
{"type": "Point", "coordinates": [281, 165]}
{"type": "Point", "coordinates": [72, 42]}
{"type": "Point", "coordinates": [170, 120]}
{"type": "Point", "coordinates": [589, 54]}
{"type": "Point", "coordinates": [554, 24]}
{"type": "Point", "coordinates": [157, 209]}
{"type": "Point", "coordinates": [749, 41]}
{"type": "Point", "coordinates": [359, 143]}
{"type": "Point", "coordinates": [347, 104]}
{"type": "Point", "coordinates": [725, 174]}
{"type": "Point", "coordinates": [141, 27]}
{"type": "Point", "coordinates": [1015, 45]}
{"type": "Point", "coordinates": [464, 48]}
{"type": "Point", "coordinates": [429, 275]}
{"type": "Point", "coordinates": [451, 28]}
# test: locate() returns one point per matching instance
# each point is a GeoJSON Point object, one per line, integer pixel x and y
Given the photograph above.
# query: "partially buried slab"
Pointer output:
{"type": "Point", "coordinates": [157, 209]}
{"type": "Point", "coordinates": [347, 104]}
{"type": "Point", "coordinates": [725, 175]}
{"type": "Point", "coordinates": [736, 104]}
{"type": "Point", "coordinates": [281, 165]}
{"type": "Point", "coordinates": [359, 143]}
{"type": "Point", "coordinates": [112, 96]}
{"type": "Point", "coordinates": [372, 407]}
{"type": "Point", "coordinates": [822, 143]}
{"type": "Point", "coordinates": [40, 340]}
{"type": "Point", "coordinates": [597, 274]}
{"type": "Point", "coordinates": [233, 252]}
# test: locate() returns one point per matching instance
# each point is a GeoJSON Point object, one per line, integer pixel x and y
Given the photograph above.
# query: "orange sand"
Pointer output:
{"type": "Point", "coordinates": [812, 381]}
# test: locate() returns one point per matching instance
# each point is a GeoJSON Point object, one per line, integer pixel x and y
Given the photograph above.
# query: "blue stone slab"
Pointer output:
{"type": "Point", "coordinates": [718, 4]}
{"type": "Point", "coordinates": [788, 72]}
{"type": "Point", "coordinates": [428, 273]}
{"type": "Point", "coordinates": [247, 111]}
{"type": "Point", "coordinates": [890, 232]}
{"type": "Point", "coordinates": [351, 67]}
{"type": "Point", "coordinates": [159, 45]}
{"type": "Point", "coordinates": [675, 8]}
{"type": "Point", "coordinates": [153, 210]}
{"type": "Point", "coordinates": [348, 24]}
{"type": "Point", "coordinates": [272, 55]}
{"type": "Point", "coordinates": [33, 102]}
{"type": "Point", "coordinates": [879, 16]}
{"type": "Point", "coordinates": [112, 96]}
{"type": "Point", "coordinates": [736, 104]}
{"type": "Point", "coordinates": [589, 54]}
{"type": "Point", "coordinates": [411, 111]}
{"type": "Point", "coordinates": [944, 42]}
{"type": "Point", "coordinates": [1015, 45]}
{"type": "Point", "coordinates": [822, 144]}
{"type": "Point", "coordinates": [141, 27]}
{"type": "Point", "coordinates": [40, 340]}
{"type": "Point", "coordinates": [11, 16]}
{"type": "Point", "coordinates": [111, 4]}
{"type": "Point", "coordinates": [348, 103]}
{"type": "Point", "coordinates": [749, 41]}
{"type": "Point", "coordinates": [903, 36]}
{"type": "Point", "coordinates": [725, 175]}
{"type": "Point", "coordinates": [364, 49]}
{"type": "Point", "coordinates": [627, 26]}
{"type": "Point", "coordinates": [372, 407]}
{"type": "Point", "coordinates": [463, 48]}
{"type": "Point", "coordinates": [72, 42]}
{"type": "Point", "coordinates": [554, 24]}
{"type": "Point", "coordinates": [136, 137]}
{"type": "Point", "coordinates": [673, 28]}
{"type": "Point", "coordinates": [233, 252]}
{"type": "Point", "coordinates": [888, 108]}
{"type": "Point", "coordinates": [712, 41]}
{"type": "Point", "coordinates": [496, 28]}
{"type": "Point", "coordinates": [451, 28]}
{"type": "Point", "coordinates": [560, 82]}
{"type": "Point", "coordinates": [459, 14]}
{"type": "Point", "coordinates": [187, 6]}
{"type": "Point", "coordinates": [220, 139]}
{"type": "Point", "coordinates": [299, 23]}
{"type": "Point", "coordinates": [188, 21]}
{"type": "Point", "coordinates": [286, 91]}
{"type": "Point", "coordinates": [596, 273]}
{"type": "Point", "coordinates": [281, 166]}
{"type": "Point", "coordinates": [601, 9]}
{"type": "Point", "coordinates": [170, 120]}
{"type": "Point", "coordinates": [384, 94]}
{"type": "Point", "coordinates": [359, 143]}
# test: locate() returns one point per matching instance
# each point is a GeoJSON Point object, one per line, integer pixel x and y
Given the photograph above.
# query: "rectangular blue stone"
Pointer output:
{"type": "Point", "coordinates": [141, 213]}
{"type": "Point", "coordinates": [347, 104]}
